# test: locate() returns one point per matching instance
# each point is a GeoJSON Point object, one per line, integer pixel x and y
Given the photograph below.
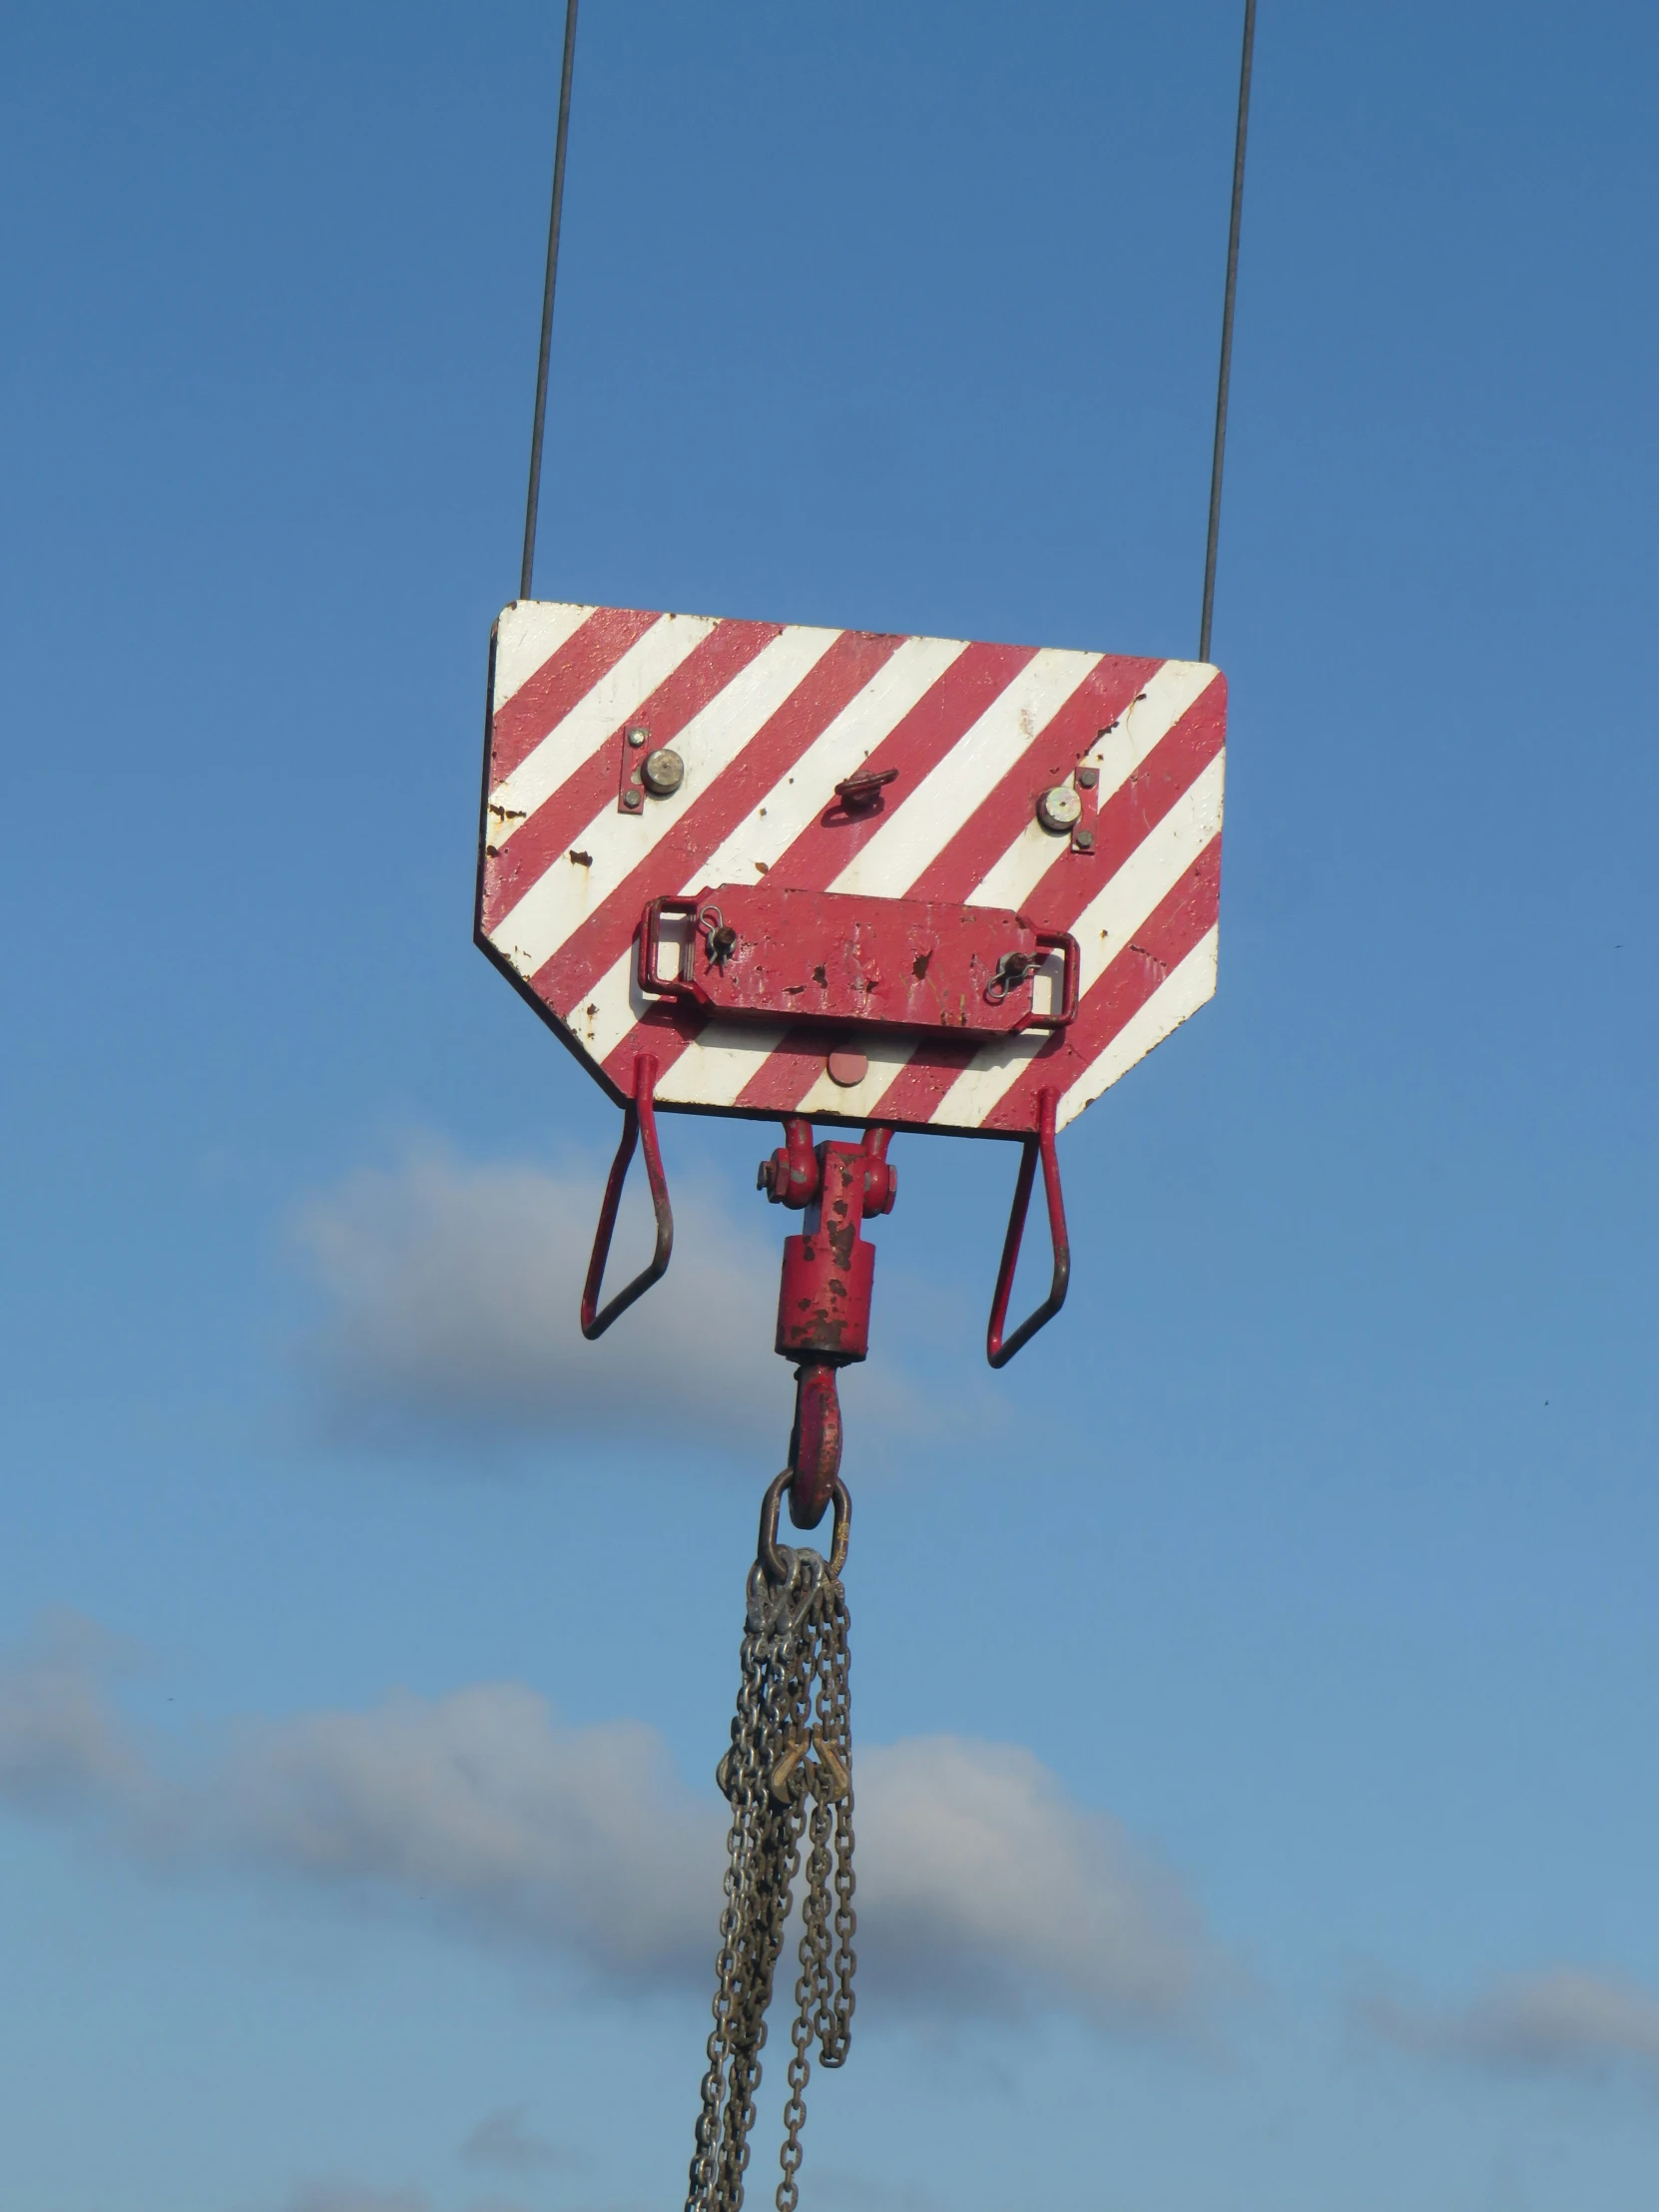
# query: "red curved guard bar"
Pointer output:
{"type": "Point", "coordinates": [997, 1351]}
{"type": "Point", "coordinates": [639, 1120]}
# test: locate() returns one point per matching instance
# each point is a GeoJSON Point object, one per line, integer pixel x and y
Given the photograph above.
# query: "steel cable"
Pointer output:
{"type": "Point", "coordinates": [554, 215]}
{"type": "Point", "coordinates": [1226, 332]}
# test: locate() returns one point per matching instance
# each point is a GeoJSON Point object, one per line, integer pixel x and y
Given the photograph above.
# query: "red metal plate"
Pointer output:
{"type": "Point", "coordinates": [772, 952]}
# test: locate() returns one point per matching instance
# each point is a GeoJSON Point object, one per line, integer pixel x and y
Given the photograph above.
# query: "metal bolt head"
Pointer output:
{"type": "Point", "coordinates": [1059, 809]}
{"type": "Point", "coordinates": [1086, 779]}
{"type": "Point", "coordinates": [664, 771]}
{"type": "Point", "coordinates": [638, 736]}
{"type": "Point", "coordinates": [1083, 842]}
{"type": "Point", "coordinates": [632, 801]}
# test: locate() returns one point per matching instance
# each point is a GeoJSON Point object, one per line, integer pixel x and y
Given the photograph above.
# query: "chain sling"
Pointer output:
{"type": "Point", "coordinates": [787, 1777]}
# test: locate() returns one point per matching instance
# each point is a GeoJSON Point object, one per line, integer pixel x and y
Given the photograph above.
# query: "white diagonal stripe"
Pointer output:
{"type": "Point", "coordinates": [775, 821]}
{"type": "Point", "coordinates": [527, 635]}
{"type": "Point", "coordinates": [798, 798]}
{"type": "Point", "coordinates": [1119, 752]}
{"type": "Point", "coordinates": [620, 692]}
{"type": "Point", "coordinates": [1149, 716]}
{"type": "Point", "coordinates": [1150, 873]}
{"type": "Point", "coordinates": [604, 1014]}
{"type": "Point", "coordinates": [888, 1051]}
{"type": "Point", "coordinates": [1102, 931]}
{"type": "Point", "coordinates": [609, 1008]}
{"type": "Point", "coordinates": [934, 810]}
{"type": "Point", "coordinates": [1182, 992]}
{"type": "Point", "coordinates": [562, 898]}
{"type": "Point", "coordinates": [720, 1060]}
{"type": "Point", "coordinates": [1121, 749]}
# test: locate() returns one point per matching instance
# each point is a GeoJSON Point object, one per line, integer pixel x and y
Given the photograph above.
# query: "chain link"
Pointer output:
{"type": "Point", "coordinates": [789, 1778]}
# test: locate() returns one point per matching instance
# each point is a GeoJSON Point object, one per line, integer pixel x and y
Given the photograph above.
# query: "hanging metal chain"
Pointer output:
{"type": "Point", "coordinates": [789, 1778]}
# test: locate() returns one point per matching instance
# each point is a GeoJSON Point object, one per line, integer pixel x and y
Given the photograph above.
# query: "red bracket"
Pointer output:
{"type": "Point", "coordinates": [756, 952]}
{"type": "Point", "coordinates": [997, 1351]}
{"type": "Point", "coordinates": [639, 1120]}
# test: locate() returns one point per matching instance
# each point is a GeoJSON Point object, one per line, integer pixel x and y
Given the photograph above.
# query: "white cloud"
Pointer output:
{"type": "Point", "coordinates": [452, 1291]}
{"type": "Point", "coordinates": [579, 1840]}
{"type": "Point", "coordinates": [983, 1889]}
{"type": "Point", "coordinates": [1564, 2020]}
{"type": "Point", "coordinates": [61, 1740]}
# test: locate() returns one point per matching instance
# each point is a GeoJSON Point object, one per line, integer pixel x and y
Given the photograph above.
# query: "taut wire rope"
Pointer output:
{"type": "Point", "coordinates": [1229, 299]}
{"type": "Point", "coordinates": [1220, 451]}
{"type": "Point", "coordinates": [554, 215]}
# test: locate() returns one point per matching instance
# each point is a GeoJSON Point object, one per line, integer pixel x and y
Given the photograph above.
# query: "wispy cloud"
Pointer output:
{"type": "Point", "coordinates": [505, 2142]}
{"type": "Point", "coordinates": [989, 1890]}
{"type": "Point", "coordinates": [1565, 2021]}
{"type": "Point", "coordinates": [356, 2196]}
{"type": "Point", "coordinates": [836, 2191]}
{"type": "Point", "coordinates": [984, 1890]}
{"type": "Point", "coordinates": [448, 1289]}
{"type": "Point", "coordinates": [61, 1744]}
{"type": "Point", "coordinates": [580, 1840]}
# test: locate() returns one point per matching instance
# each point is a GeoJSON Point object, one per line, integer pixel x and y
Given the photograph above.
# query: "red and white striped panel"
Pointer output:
{"type": "Point", "coordinates": [768, 719]}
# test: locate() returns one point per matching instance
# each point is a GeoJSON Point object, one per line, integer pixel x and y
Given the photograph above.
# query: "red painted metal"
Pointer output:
{"type": "Point", "coordinates": [814, 1442]}
{"type": "Point", "coordinates": [999, 1352]}
{"type": "Point", "coordinates": [845, 800]}
{"type": "Point", "coordinates": [790, 1176]}
{"type": "Point", "coordinates": [821, 957]}
{"type": "Point", "coordinates": [829, 1270]}
{"type": "Point", "coordinates": [825, 1294]}
{"type": "Point", "coordinates": [639, 1123]}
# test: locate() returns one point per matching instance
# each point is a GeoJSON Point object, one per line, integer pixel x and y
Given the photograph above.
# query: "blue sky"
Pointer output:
{"type": "Point", "coordinates": [1286, 1611]}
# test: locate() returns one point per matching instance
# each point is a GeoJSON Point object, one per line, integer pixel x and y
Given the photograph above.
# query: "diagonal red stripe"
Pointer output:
{"type": "Point", "coordinates": [565, 813]}
{"type": "Point", "coordinates": [788, 1072]}
{"type": "Point", "coordinates": [942, 714]}
{"type": "Point", "coordinates": [1053, 752]}
{"type": "Point", "coordinates": [1127, 818]}
{"type": "Point", "coordinates": [1111, 686]}
{"type": "Point", "coordinates": [923, 1079]}
{"type": "Point", "coordinates": [1159, 946]}
{"type": "Point", "coordinates": [807, 712]}
{"type": "Point", "coordinates": [945, 713]}
{"type": "Point", "coordinates": [543, 700]}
